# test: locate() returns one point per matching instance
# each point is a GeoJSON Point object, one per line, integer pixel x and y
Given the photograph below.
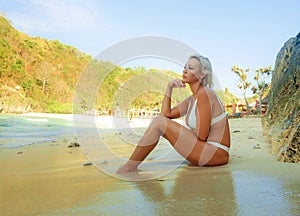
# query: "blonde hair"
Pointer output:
{"type": "Point", "coordinates": [206, 68]}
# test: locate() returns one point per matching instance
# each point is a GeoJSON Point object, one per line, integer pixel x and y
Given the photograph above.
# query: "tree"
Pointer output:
{"type": "Point", "coordinates": [261, 76]}
{"type": "Point", "coordinates": [27, 86]}
{"type": "Point", "coordinates": [45, 73]}
{"type": "Point", "coordinates": [243, 83]}
{"type": "Point", "coordinates": [226, 93]}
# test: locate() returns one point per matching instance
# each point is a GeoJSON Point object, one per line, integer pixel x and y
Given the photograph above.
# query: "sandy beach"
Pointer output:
{"type": "Point", "coordinates": [52, 179]}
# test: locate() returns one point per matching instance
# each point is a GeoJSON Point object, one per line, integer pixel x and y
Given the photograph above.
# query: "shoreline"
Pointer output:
{"type": "Point", "coordinates": [100, 121]}
{"type": "Point", "coordinates": [50, 178]}
{"type": "Point", "coordinates": [105, 122]}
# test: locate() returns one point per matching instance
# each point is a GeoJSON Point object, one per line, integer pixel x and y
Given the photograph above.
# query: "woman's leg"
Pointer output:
{"type": "Point", "coordinates": [186, 143]}
{"type": "Point", "coordinates": [182, 139]}
{"type": "Point", "coordinates": [145, 145]}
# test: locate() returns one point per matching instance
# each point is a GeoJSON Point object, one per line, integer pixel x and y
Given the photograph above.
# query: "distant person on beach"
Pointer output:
{"type": "Point", "coordinates": [205, 141]}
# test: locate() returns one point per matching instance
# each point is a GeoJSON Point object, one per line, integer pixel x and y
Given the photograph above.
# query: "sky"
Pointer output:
{"type": "Point", "coordinates": [248, 33]}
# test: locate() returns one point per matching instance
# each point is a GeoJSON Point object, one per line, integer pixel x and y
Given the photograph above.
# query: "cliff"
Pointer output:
{"type": "Point", "coordinates": [282, 120]}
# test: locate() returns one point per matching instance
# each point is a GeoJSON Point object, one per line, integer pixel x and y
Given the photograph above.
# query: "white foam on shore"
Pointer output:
{"type": "Point", "coordinates": [107, 122]}
{"type": "Point", "coordinates": [37, 120]}
{"type": "Point", "coordinates": [49, 115]}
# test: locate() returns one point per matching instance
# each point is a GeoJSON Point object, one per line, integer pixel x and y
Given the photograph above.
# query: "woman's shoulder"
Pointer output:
{"type": "Point", "coordinates": [209, 92]}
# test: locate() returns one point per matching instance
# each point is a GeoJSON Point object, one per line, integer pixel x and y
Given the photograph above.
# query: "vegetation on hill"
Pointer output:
{"type": "Point", "coordinates": [43, 72]}
{"type": "Point", "coordinates": [41, 75]}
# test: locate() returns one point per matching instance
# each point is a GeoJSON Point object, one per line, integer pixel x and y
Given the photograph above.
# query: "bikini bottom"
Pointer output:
{"type": "Point", "coordinates": [225, 148]}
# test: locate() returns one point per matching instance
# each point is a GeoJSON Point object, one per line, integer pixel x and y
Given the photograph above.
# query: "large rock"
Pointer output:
{"type": "Point", "coordinates": [282, 120]}
{"type": "Point", "coordinates": [12, 101]}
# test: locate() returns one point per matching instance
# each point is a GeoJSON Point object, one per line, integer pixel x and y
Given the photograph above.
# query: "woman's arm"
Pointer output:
{"type": "Point", "coordinates": [203, 115]}
{"type": "Point", "coordinates": [179, 110]}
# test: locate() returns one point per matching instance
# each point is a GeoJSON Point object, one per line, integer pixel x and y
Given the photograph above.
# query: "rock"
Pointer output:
{"type": "Point", "coordinates": [256, 146]}
{"type": "Point", "coordinates": [12, 101]}
{"type": "Point", "coordinates": [74, 145]}
{"type": "Point", "coordinates": [282, 119]}
{"type": "Point", "coordinates": [87, 164]}
{"type": "Point", "coordinates": [19, 152]}
{"type": "Point", "coordinates": [105, 162]}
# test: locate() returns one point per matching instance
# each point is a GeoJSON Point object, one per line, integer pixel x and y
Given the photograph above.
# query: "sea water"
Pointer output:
{"type": "Point", "coordinates": [18, 130]}
{"type": "Point", "coordinates": [22, 130]}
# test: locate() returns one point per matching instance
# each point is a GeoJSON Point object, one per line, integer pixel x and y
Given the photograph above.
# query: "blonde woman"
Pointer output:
{"type": "Point", "coordinates": [205, 141]}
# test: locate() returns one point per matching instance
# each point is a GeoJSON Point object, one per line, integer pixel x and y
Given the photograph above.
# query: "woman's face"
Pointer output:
{"type": "Point", "coordinates": [192, 72]}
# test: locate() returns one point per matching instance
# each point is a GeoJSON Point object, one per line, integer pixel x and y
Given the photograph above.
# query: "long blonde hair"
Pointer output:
{"type": "Point", "coordinates": [206, 68]}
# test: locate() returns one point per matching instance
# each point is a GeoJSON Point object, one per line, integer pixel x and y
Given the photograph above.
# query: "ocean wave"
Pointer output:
{"type": "Point", "coordinates": [36, 119]}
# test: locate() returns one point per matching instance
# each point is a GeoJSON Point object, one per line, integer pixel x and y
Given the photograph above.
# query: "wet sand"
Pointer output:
{"type": "Point", "coordinates": [51, 179]}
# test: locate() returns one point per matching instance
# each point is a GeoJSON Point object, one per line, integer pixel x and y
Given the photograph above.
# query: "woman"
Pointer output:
{"type": "Point", "coordinates": [206, 140]}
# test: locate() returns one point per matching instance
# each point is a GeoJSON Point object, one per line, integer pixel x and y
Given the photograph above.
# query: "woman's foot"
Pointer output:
{"type": "Point", "coordinates": [130, 166]}
{"type": "Point", "coordinates": [125, 169]}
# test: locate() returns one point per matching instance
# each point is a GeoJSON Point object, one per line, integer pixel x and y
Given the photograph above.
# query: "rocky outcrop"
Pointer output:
{"type": "Point", "coordinates": [12, 101]}
{"type": "Point", "coordinates": [282, 120]}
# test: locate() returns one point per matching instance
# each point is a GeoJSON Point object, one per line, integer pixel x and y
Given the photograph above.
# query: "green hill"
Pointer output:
{"type": "Point", "coordinates": [41, 75]}
{"type": "Point", "coordinates": [226, 98]}
{"type": "Point", "coordinates": [104, 86]}
{"type": "Point", "coordinates": [37, 73]}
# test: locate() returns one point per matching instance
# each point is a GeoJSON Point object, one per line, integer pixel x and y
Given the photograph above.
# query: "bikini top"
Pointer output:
{"type": "Point", "coordinates": [191, 117]}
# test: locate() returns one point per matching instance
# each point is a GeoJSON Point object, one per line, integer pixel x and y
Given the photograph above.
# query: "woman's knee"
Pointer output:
{"type": "Point", "coordinates": [159, 122]}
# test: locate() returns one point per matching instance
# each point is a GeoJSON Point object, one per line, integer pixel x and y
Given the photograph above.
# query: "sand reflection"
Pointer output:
{"type": "Point", "coordinates": [219, 191]}
{"type": "Point", "coordinates": [191, 191]}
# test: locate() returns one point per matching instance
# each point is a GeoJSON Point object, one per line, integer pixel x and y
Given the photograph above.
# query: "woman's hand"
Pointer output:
{"type": "Point", "coordinates": [176, 83]}
{"type": "Point", "coordinates": [166, 109]}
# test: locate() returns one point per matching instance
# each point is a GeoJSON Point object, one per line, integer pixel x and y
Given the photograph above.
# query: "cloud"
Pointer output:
{"type": "Point", "coordinates": [53, 15]}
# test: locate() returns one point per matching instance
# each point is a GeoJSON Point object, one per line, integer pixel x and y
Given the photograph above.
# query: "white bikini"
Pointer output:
{"type": "Point", "coordinates": [191, 122]}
